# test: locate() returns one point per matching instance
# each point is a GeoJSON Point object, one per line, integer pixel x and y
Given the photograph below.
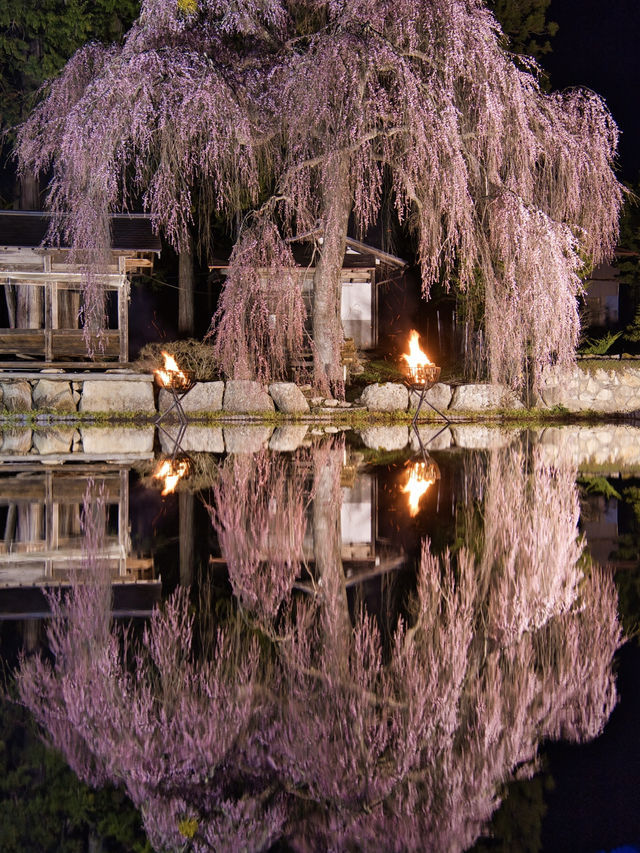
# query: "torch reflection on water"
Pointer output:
{"type": "Point", "coordinates": [171, 470]}
{"type": "Point", "coordinates": [421, 476]}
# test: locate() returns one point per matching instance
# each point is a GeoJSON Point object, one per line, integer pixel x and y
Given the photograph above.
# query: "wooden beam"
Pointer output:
{"type": "Point", "coordinates": [48, 322]}
{"type": "Point", "coordinates": [55, 342]}
{"type": "Point", "coordinates": [34, 365]}
{"type": "Point", "coordinates": [76, 377]}
{"type": "Point", "coordinates": [52, 458]}
{"type": "Point", "coordinates": [112, 281]}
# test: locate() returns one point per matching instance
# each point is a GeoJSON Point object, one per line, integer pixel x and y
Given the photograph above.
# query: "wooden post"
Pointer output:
{"type": "Point", "coordinates": [186, 505]}
{"type": "Point", "coordinates": [123, 310]}
{"type": "Point", "coordinates": [48, 312]}
{"type": "Point", "coordinates": [48, 322]}
{"type": "Point", "coordinates": [51, 521]}
{"type": "Point", "coordinates": [374, 309]}
{"type": "Point", "coordinates": [124, 539]}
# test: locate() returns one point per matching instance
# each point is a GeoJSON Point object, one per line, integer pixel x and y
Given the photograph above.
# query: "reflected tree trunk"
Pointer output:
{"type": "Point", "coordinates": [10, 525]}
{"type": "Point", "coordinates": [186, 504]}
{"type": "Point", "coordinates": [30, 634]}
{"type": "Point", "coordinates": [29, 192]}
{"type": "Point", "coordinates": [327, 541]}
{"type": "Point", "coordinates": [30, 523]}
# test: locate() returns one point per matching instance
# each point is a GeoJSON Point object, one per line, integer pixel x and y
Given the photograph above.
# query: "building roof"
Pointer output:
{"type": "Point", "coordinates": [358, 255]}
{"type": "Point", "coordinates": [27, 229]}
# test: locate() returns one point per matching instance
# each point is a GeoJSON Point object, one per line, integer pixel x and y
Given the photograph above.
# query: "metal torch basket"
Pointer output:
{"type": "Point", "coordinates": [422, 378]}
{"type": "Point", "coordinates": [178, 387]}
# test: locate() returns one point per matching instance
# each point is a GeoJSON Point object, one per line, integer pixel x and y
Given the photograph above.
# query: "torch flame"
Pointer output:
{"type": "Point", "coordinates": [171, 374]}
{"type": "Point", "coordinates": [415, 358]}
{"type": "Point", "coordinates": [418, 482]}
{"type": "Point", "coordinates": [171, 472]}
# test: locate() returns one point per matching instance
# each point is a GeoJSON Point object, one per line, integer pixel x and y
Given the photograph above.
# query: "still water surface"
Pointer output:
{"type": "Point", "coordinates": [352, 641]}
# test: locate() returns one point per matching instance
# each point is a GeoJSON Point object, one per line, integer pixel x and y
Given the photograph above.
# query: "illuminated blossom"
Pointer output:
{"type": "Point", "coordinates": [314, 112]}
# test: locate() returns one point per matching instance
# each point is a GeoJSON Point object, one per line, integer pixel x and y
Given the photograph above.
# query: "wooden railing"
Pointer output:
{"type": "Point", "coordinates": [53, 343]}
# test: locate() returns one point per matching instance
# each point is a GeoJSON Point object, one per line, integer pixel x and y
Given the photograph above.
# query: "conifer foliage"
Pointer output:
{"type": "Point", "coordinates": [315, 112]}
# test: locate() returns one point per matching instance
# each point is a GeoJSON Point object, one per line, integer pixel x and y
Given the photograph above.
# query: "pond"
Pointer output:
{"type": "Point", "coordinates": [315, 638]}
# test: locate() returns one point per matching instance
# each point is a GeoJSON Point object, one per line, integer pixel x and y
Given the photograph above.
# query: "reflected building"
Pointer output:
{"type": "Point", "coordinates": [43, 545]}
{"type": "Point", "coordinates": [326, 515]}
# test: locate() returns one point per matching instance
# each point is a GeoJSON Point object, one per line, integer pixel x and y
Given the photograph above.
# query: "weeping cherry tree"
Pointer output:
{"type": "Point", "coordinates": [312, 114]}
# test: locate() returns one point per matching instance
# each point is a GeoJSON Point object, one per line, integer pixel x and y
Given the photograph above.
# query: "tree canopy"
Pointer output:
{"type": "Point", "coordinates": [311, 113]}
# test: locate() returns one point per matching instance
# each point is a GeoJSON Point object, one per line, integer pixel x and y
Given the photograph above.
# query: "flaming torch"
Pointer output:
{"type": "Point", "coordinates": [422, 374]}
{"type": "Point", "coordinates": [178, 382]}
{"type": "Point", "coordinates": [170, 376]}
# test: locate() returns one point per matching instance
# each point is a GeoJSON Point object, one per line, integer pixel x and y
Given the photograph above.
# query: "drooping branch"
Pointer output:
{"type": "Point", "coordinates": [507, 189]}
{"type": "Point", "coordinates": [260, 321]}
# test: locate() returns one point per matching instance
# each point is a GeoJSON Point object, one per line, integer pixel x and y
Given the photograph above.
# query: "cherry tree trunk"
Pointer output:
{"type": "Point", "coordinates": [185, 294]}
{"type": "Point", "coordinates": [29, 192]}
{"type": "Point", "coordinates": [327, 280]}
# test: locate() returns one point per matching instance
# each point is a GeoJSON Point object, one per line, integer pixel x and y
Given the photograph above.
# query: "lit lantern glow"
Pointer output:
{"type": "Point", "coordinates": [171, 375]}
{"type": "Point", "coordinates": [416, 359]}
{"type": "Point", "coordinates": [171, 471]}
{"type": "Point", "coordinates": [421, 476]}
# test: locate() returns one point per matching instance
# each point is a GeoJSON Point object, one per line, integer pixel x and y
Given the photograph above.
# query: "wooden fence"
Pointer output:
{"type": "Point", "coordinates": [48, 340]}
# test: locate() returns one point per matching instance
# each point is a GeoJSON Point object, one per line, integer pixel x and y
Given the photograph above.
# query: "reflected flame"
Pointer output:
{"type": "Point", "coordinates": [171, 471]}
{"type": "Point", "coordinates": [415, 358]}
{"type": "Point", "coordinates": [171, 374]}
{"type": "Point", "coordinates": [419, 479]}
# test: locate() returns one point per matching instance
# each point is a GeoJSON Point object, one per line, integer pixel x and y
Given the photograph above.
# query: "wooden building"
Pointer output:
{"type": "Point", "coordinates": [43, 290]}
{"type": "Point", "coordinates": [42, 547]}
{"type": "Point", "coordinates": [364, 269]}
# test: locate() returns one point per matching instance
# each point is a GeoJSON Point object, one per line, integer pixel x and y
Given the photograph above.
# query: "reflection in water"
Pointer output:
{"type": "Point", "coordinates": [530, 564]}
{"type": "Point", "coordinates": [40, 515]}
{"type": "Point", "coordinates": [259, 513]}
{"type": "Point", "coordinates": [301, 721]}
{"type": "Point", "coordinates": [171, 471]}
{"type": "Point", "coordinates": [420, 476]}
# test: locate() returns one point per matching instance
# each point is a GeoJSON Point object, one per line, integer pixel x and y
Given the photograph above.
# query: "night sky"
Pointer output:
{"type": "Point", "coordinates": [598, 46]}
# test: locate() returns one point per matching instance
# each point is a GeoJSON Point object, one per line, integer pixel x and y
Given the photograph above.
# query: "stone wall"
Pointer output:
{"type": "Point", "coordinates": [64, 441]}
{"type": "Point", "coordinates": [587, 448]}
{"type": "Point", "coordinates": [121, 392]}
{"type": "Point", "coordinates": [64, 394]}
{"type": "Point", "coordinates": [598, 390]}
{"type": "Point", "coordinates": [577, 390]}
